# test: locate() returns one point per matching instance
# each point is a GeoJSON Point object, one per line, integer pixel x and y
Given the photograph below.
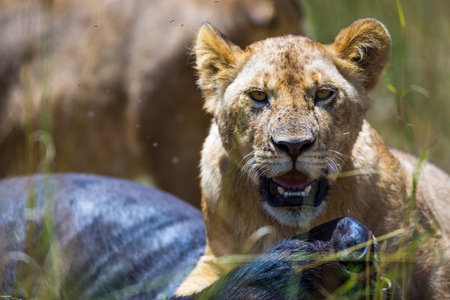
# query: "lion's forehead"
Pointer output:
{"type": "Point", "coordinates": [290, 61]}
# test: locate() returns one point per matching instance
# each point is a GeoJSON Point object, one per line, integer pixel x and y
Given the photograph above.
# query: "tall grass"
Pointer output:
{"type": "Point", "coordinates": [410, 106]}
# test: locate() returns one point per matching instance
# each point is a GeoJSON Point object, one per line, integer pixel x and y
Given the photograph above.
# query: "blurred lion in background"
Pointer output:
{"type": "Point", "coordinates": [107, 87]}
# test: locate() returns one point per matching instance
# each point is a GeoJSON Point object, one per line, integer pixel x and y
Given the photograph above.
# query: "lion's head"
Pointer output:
{"type": "Point", "coordinates": [289, 109]}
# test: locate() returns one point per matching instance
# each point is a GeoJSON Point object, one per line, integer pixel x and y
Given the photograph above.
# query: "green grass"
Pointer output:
{"type": "Point", "coordinates": [411, 106]}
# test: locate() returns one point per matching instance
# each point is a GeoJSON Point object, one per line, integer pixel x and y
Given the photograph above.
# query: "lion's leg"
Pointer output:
{"type": "Point", "coordinates": [205, 273]}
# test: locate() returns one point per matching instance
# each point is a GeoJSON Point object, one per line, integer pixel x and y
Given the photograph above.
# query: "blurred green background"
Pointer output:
{"type": "Point", "coordinates": [411, 105]}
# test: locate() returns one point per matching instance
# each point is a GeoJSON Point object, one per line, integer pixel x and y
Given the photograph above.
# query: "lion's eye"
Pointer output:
{"type": "Point", "coordinates": [258, 96]}
{"type": "Point", "coordinates": [324, 94]}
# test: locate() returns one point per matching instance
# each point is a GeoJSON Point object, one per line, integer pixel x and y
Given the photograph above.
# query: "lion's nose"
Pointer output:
{"type": "Point", "coordinates": [293, 146]}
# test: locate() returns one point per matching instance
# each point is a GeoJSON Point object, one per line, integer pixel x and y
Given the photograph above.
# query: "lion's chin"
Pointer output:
{"type": "Point", "coordinates": [292, 216]}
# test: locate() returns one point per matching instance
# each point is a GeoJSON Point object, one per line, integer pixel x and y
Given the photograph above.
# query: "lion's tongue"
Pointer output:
{"type": "Point", "coordinates": [293, 180]}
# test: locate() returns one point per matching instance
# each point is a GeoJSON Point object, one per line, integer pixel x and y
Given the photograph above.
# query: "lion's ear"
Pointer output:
{"type": "Point", "coordinates": [215, 58]}
{"type": "Point", "coordinates": [366, 44]}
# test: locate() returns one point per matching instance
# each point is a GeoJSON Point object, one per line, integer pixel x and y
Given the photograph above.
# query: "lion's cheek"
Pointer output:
{"type": "Point", "coordinates": [339, 127]}
{"type": "Point", "coordinates": [234, 124]}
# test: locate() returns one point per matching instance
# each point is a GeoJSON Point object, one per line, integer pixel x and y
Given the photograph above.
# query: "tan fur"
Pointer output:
{"type": "Point", "coordinates": [367, 181]}
{"type": "Point", "coordinates": [112, 84]}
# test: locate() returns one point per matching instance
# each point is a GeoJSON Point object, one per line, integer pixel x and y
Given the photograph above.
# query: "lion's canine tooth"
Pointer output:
{"type": "Point", "coordinates": [280, 190]}
{"type": "Point", "coordinates": [307, 190]}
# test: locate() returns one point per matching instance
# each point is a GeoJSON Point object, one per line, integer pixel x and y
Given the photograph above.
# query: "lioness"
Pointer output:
{"type": "Point", "coordinates": [289, 147]}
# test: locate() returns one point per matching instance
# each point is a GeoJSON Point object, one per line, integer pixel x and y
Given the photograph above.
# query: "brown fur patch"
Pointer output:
{"type": "Point", "coordinates": [111, 87]}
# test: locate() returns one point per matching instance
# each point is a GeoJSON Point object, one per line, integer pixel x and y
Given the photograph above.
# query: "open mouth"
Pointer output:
{"type": "Point", "coordinates": [293, 189]}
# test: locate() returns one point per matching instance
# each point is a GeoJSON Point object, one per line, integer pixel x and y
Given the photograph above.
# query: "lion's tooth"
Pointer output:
{"type": "Point", "coordinates": [280, 190]}
{"type": "Point", "coordinates": [307, 190]}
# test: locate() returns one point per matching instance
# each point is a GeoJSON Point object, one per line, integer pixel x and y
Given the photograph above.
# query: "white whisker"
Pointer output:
{"type": "Point", "coordinates": [245, 157]}
{"type": "Point", "coordinates": [342, 157]}
{"type": "Point", "coordinates": [332, 164]}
